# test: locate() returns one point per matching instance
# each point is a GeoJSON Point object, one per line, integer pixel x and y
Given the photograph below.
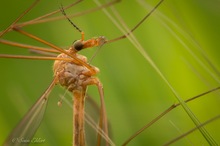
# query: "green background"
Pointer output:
{"type": "Point", "coordinates": [134, 92]}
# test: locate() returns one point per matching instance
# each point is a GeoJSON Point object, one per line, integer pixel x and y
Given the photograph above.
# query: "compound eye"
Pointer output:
{"type": "Point", "coordinates": [78, 45]}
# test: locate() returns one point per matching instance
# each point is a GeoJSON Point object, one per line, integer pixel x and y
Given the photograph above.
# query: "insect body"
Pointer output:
{"type": "Point", "coordinates": [76, 77]}
{"type": "Point", "coordinates": [72, 75]}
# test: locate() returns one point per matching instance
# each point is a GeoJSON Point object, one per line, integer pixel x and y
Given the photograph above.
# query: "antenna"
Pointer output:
{"type": "Point", "coordinates": [74, 25]}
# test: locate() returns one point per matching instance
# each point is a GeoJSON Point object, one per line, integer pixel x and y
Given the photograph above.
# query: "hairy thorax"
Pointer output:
{"type": "Point", "coordinates": [71, 75]}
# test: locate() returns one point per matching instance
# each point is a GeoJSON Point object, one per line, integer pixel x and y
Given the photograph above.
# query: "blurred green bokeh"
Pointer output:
{"type": "Point", "coordinates": [134, 92]}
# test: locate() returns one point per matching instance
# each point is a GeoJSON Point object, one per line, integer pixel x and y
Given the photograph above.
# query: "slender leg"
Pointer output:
{"type": "Point", "coordinates": [78, 118]}
{"type": "Point", "coordinates": [103, 118]}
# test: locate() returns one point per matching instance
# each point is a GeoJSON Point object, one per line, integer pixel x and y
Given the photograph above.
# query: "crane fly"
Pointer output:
{"type": "Point", "coordinates": [75, 77]}
{"type": "Point", "coordinates": [75, 73]}
{"type": "Point", "coordinates": [72, 71]}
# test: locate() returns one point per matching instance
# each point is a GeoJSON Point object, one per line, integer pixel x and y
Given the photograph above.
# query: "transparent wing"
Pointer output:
{"type": "Point", "coordinates": [27, 127]}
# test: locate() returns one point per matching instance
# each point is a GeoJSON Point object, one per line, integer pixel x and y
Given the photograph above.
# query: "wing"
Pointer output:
{"type": "Point", "coordinates": [27, 127]}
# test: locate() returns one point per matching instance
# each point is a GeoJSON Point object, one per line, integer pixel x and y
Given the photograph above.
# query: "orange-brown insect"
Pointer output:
{"type": "Point", "coordinates": [72, 71]}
